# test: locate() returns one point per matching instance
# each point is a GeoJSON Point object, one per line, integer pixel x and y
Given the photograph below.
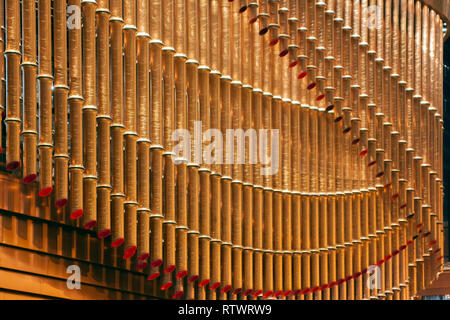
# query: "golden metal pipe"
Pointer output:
{"type": "Point", "coordinates": [29, 67]}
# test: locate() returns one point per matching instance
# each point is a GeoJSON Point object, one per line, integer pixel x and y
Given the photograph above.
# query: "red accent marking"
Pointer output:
{"type": "Point", "coordinates": [253, 20]}
{"type": "Point", "coordinates": [329, 108]}
{"type": "Point", "coordinates": [117, 243]}
{"type": "Point", "coordinates": [305, 291]}
{"type": "Point", "coordinates": [247, 292]}
{"type": "Point", "coordinates": [320, 97]}
{"type": "Point", "coordinates": [363, 153]}
{"type": "Point", "coordinates": [371, 163]}
{"type": "Point", "coordinates": [12, 166]}
{"type": "Point", "coordinates": [311, 86]}
{"type": "Point", "coordinates": [144, 256]}
{"type": "Point", "coordinates": [337, 119]}
{"type": "Point", "coordinates": [395, 196]}
{"type": "Point", "coordinates": [193, 279]}
{"type": "Point", "coordinates": [142, 265]}
{"type": "Point", "coordinates": [325, 286]}
{"type": "Point", "coordinates": [409, 242]}
{"type": "Point", "coordinates": [273, 42]}
{"type": "Point", "coordinates": [90, 224]}
{"type": "Point", "coordinates": [204, 283]}
{"type": "Point", "coordinates": [257, 293]}
{"type": "Point", "coordinates": [1, 150]}
{"type": "Point", "coordinates": [225, 289]}
{"type": "Point", "coordinates": [263, 31]}
{"type": "Point", "coordinates": [346, 130]}
{"type": "Point", "coordinates": [432, 243]}
{"type": "Point", "coordinates": [129, 252]}
{"type": "Point", "coordinates": [438, 259]}
{"type": "Point", "coordinates": [403, 206]}
{"type": "Point", "coordinates": [355, 141]}
{"type": "Point", "coordinates": [396, 252]}
{"type": "Point", "coordinates": [287, 293]}
{"type": "Point", "coordinates": [76, 214]}
{"type": "Point", "coordinates": [61, 203]}
{"type": "Point", "coordinates": [358, 274]}
{"type": "Point", "coordinates": [181, 274]}
{"type": "Point", "coordinates": [426, 234]}
{"type": "Point", "coordinates": [348, 278]}
{"type": "Point", "coordinates": [104, 234]}
{"type": "Point", "coordinates": [169, 269]}
{"type": "Point", "coordinates": [166, 285]}
{"type": "Point", "coordinates": [214, 286]}
{"type": "Point", "coordinates": [388, 257]}
{"type": "Point", "coordinates": [380, 174]}
{"type": "Point", "coordinates": [364, 271]}
{"type": "Point", "coordinates": [297, 292]}
{"type": "Point", "coordinates": [279, 293]}
{"type": "Point", "coordinates": [153, 276]}
{"type": "Point", "coordinates": [267, 294]}
{"type": "Point", "coordinates": [419, 225]}
{"type": "Point", "coordinates": [284, 53]}
{"type": "Point", "coordinates": [45, 192]}
{"type": "Point", "coordinates": [237, 291]}
{"type": "Point", "coordinates": [178, 295]}
{"type": "Point", "coordinates": [379, 263]}
{"type": "Point", "coordinates": [241, 10]}
{"type": "Point", "coordinates": [293, 64]}
{"type": "Point", "coordinates": [437, 250]}
{"type": "Point", "coordinates": [334, 283]}
{"type": "Point", "coordinates": [387, 185]}
{"type": "Point", "coordinates": [403, 247]}
{"type": "Point", "coordinates": [156, 263]}
{"type": "Point", "coordinates": [29, 179]}
{"type": "Point", "coordinates": [302, 75]}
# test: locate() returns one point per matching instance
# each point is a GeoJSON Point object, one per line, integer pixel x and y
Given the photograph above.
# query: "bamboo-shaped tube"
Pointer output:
{"type": "Point", "coordinates": [13, 118]}
{"type": "Point", "coordinates": [45, 84]}
{"type": "Point", "coordinates": [381, 234]}
{"type": "Point", "coordinates": [103, 123]}
{"type": "Point", "coordinates": [75, 100]}
{"type": "Point", "coordinates": [61, 89]}
{"type": "Point", "coordinates": [130, 134]}
{"type": "Point", "coordinates": [143, 131]}
{"type": "Point", "coordinates": [29, 67]}
{"type": "Point", "coordinates": [117, 126]}
{"type": "Point", "coordinates": [89, 116]}
{"type": "Point", "coordinates": [2, 71]}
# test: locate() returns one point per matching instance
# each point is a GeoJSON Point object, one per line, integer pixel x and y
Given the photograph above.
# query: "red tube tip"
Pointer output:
{"type": "Point", "coordinates": [403, 247]}
{"type": "Point", "coordinates": [253, 20]}
{"type": "Point", "coordinates": [256, 293]}
{"type": "Point", "coordinates": [214, 286]}
{"type": "Point", "coordinates": [169, 269]}
{"type": "Point", "coordinates": [371, 163]}
{"type": "Point", "coordinates": [363, 153]}
{"type": "Point", "coordinates": [267, 294]}
{"type": "Point", "coordinates": [129, 252]}
{"type": "Point", "coordinates": [193, 279]}
{"type": "Point", "coordinates": [305, 291]}
{"type": "Point", "coordinates": [395, 196]}
{"type": "Point", "coordinates": [248, 292]}
{"type": "Point", "coordinates": [437, 250]}
{"type": "Point", "coordinates": [204, 283]}
{"type": "Point", "coordinates": [61, 203]}
{"type": "Point", "coordinates": [237, 291]}
{"type": "Point", "coordinates": [76, 214]}
{"type": "Point", "coordinates": [287, 293]}
{"type": "Point", "coordinates": [45, 192]}
{"type": "Point", "coordinates": [302, 75]}
{"type": "Point", "coordinates": [144, 256]}
{"type": "Point", "coordinates": [225, 289]}
{"type": "Point", "coordinates": [311, 86]}
{"type": "Point", "coordinates": [12, 166]}
{"type": "Point", "coordinates": [142, 265]}
{"type": "Point", "coordinates": [30, 178]}
{"type": "Point", "coordinates": [117, 243]}
{"type": "Point", "coordinates": [432, 243]}
{"type": "Point", "coordinates": [387, 185]}
{"type": "Point", "coordinates": [293, 64]}
{"type": "Point", "coordinates": [90, 225]}
{"type": "Point", "coordinates": [273, 42]}
{"type": "Point", "coordinates": [263, 31]}
{"type": "Point", "coordinates": [166, 286]}
{"type": "Point", "coordinates": [178, 295]}
{"type": "Point", "coordinates": [104, 234]}
{"type": "Point", "coordinates": [320, 97]}
{"type": "Point", "coordinates": [284, 53]}
{"type": "Point", "coordinates": [156, 263]}
{"type": "Point", "coordinates": [276, 295]}
{"type": "Point", "coordinates": [403, 206]}
{"type": "Point", "coordinates": [153, 276]}
{"type": "Point", "coordinates": [380, 174]}
{"type": "Point", "coordinates": [181, 274]}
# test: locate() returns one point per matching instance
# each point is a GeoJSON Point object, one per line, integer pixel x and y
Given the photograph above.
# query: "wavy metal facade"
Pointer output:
{"type": "Point", "coordinates": [354, 88]}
